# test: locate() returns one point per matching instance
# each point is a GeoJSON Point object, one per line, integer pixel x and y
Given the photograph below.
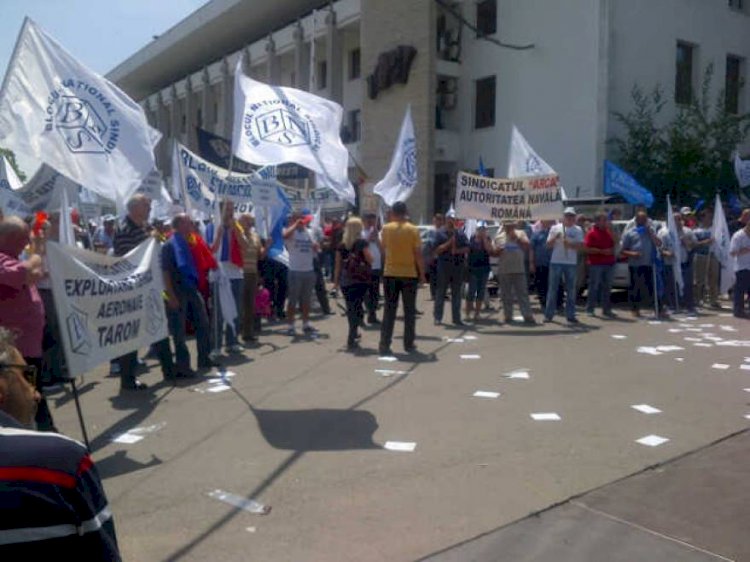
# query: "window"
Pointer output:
{"type": "Point", "coordinates": [733, 83]}
{"type": "Point", "coordinates": [322, 75]}
{"type": "Point", "coordinates": [484, 106]}
{"type": "Point", "coordinates": [354, 64]}
{"type": "Point", "coordinates": [683, 87]}
{"type": "Point", "coordinates": [486, 17]}
{"type": "Point", "coordinates": [738, 5]}
{"type": "Point", "coordinates": [353, 126]}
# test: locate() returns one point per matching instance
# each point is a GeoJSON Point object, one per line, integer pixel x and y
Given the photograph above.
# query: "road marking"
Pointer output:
{"type": "Point", "coordinates": [486, 394]}
{"type": "Point", "coordinates": [652, 440]}
{"type": "Point", "coordinates": [646, 409]}
{"type": "Point", "coordinates": [401, 446]}
{"type": "Point", "coordinates": [546, 416]}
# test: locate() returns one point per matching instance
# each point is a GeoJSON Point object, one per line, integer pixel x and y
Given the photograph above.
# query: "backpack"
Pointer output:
{"type": "Point", "coordinates": [357, 269]}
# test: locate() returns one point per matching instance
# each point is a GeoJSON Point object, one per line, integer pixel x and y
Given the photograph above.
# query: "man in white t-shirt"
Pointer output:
{"type": "Point", "coordinates": [739, 249]}
{"type": "Point", "coordinates": [301, 278]}
{"type": "Point", "coordinates": [565, 239]}
{"type": "Point", "coordinates": [371, 234]}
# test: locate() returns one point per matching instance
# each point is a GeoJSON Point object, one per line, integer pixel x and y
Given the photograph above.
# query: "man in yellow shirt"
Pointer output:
{"type": "Point", "coordinates": [403, 272]}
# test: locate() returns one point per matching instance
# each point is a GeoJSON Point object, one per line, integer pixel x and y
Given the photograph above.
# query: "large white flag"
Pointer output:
{"type": "Point", "coordinates": [720, 246]}
{"type": "Point", "coordinates": [401, 179]}
{"type": "Point", "coordinates": [679, 251]}
{"type": "Point", "coordinates": [523, 161]}
{"type": "Point", "coordinates": [274, 125]}
{"type": "Point", "coordinates": [742, 170]}
{"type": "Point", "coordinates": [8, 177]}
{"type": "Point", "coordinates": [10, 202]}
{"type": "Point", "coordinates": [54, 109]}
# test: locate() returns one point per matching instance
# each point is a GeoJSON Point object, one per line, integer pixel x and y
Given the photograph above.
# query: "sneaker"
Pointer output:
{"type": "Point", "coordinates": [309, 329]}
{"type": "Point", "coordinates": [438, 322]}
{"type": "Point", "coordinates": [410, 348]}
{"type": "Point", "coordinates": [547, 320]}
{"type": "Point", "coordinates": [573, 321]}
{"type": "Point", "coordinates": [609, 314]}
{"type": "Point", "coordinates": [385, 352]}
{"type": "Point", "coordinates": [214, 355]}
{"type": "Point", "coordinates": [459, 324]}
{"type": "Point", "coordinates": [290, 331]}
{"type": "Point", "coordinates": [234, 349]}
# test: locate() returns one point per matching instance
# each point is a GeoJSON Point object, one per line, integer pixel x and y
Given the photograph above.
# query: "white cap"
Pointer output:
{"type": "Point", "coordinates": [569, 211]}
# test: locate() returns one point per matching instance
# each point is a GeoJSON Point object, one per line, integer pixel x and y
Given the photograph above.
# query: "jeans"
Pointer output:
{"type": "Point", "coordinates": [600, 287]}
{"type": "Point", "coordinates": [558, 271]}
{"type": "Point", "coordinates": [741, 292]}
{"type": "Point", "coordinates": [354, 295]}
{"type": "Point", "coordinates": [641, 290]}
{"type": "Point", "coordinates": [449, 275]}
{"type": "Point", "coordinates": [407, 288]}
{"type": "Point", "coordinates": [372, 295]}
{"type": "Point", "coordinates": [231, 333]}
{"type": "Point", "coordinates": [515, 285]}
{"type": "Point", "coordinates": [193, 307]}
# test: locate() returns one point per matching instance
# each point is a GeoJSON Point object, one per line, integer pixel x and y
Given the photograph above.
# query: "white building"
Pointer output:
{"type": "Point", "coordinates": [566, 66]}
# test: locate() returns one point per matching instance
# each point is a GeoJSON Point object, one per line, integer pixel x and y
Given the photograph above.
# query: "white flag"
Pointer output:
{"type": "Point", "coordinates": [274, 125]}
{"type": "Point", "coordinates": [678, 250]}
{"type": "Point", "coordinates": [401, 179]}
{"type": "Point", "coordinates": [10, 202]}
{"type": "Point", "coordinates": [8, 177]}
{"type": "Point", "coordinates": [523, 161]}
{"type": "Point", "coordinates": [742, 170]}
{"type": "Point", "coordinates": [720, 247]}
{"type": "Point", "coordinates": [55, 110]}
{"type": "Point", "coordinates": [67, 234]}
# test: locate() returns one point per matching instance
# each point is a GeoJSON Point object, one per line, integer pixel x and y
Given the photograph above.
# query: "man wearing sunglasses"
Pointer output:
{"type": "Point", "coordinates": [52, 503]}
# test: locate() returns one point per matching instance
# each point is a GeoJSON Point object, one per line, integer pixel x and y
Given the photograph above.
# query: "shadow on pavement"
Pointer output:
{"type": "Point", "coordinates": [118, 464]}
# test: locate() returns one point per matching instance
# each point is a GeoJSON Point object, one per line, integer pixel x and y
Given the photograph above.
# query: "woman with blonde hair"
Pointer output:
{"type": "Point", "coordinates": [353, 272]}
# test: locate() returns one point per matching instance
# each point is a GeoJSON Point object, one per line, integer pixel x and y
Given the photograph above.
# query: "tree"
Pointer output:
{"type": "Point", "coordinates": [11, 157]}
{"type": "Point", "coordinates": [688, 158]}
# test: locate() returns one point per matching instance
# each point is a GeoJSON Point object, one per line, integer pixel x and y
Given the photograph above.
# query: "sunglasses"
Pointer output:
{"type": "Point", "coordinates": [29, 372]}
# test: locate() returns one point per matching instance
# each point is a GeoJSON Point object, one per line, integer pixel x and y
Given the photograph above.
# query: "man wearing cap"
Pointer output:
{"type": "Point", "coordinates": [599, 246]}
{"type": "Point", "coordinates": [639, 245]}
{"type": "Point", "coordinates": [301, 281]}
{"type": "Point", "coordinates": [565, 240]}
{"type": "Point", "coordinates": [510, 244]}
{"type": "Point", "coordinates": [451, 247]}
{"type": "Point", "coordinates": [705, 265]}
{"type": "Point", "coordinates": [104, 235]}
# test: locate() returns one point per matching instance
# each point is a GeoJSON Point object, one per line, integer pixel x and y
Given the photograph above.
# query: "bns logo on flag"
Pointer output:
{"type": "Point", "coordinates": [533, 166]}
{"type": "Point", "coordinates": [285, 126]}
{"type": "Point", "coordinates": [407, 173]}
{"type": "Point", "coordinates": [84, 117]}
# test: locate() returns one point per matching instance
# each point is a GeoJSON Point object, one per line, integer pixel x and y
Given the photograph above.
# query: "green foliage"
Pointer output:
{"type": "Point", "coordinates": [689, 157]}
{"type": "Point", "coordinates": [11, 158]}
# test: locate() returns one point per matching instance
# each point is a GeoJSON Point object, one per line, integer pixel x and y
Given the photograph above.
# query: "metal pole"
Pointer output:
{"type": "Point", "coordinates": [80, 414]}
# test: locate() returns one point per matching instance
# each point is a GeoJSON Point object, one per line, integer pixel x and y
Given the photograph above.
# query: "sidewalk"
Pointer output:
{"type": "Point", "coordinates": [695, 508]}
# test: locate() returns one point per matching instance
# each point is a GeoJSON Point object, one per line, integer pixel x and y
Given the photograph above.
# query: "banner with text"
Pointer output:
{"type": "Point", "coordinates": [530, 198]}
{"type": "Point", "coordinates": [107, 306]}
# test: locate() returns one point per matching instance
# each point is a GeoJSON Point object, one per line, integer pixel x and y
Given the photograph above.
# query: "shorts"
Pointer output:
{"type": "Point", "coordinates": [300, 287]}
{"type": "Point", "coordinates": [477, 284]}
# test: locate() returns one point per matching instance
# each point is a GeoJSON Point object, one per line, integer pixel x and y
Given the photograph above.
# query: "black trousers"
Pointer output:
{"type": "Point", "coordinates": [741, 292]}
{"type": "Point", "coordinates": [449, 276]}
{"type": "Point", "coordinates": [354, 295]}
{"type": "Point", "coordinates": [129, 364]}
{"type": "Point", "coordinates": [393, 287]}
{"type": "Point", "coordinates": [320, 289]}
{"type": "Point", "coordinates": [372, 295]}
{"type": "Point", "coordinates": [641, 290]}
{"type": "Point", "coordinates": [274, 279]}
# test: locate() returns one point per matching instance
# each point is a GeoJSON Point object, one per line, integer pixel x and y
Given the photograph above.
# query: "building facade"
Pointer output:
{"type": "Point", "coordinates": [555, 69]}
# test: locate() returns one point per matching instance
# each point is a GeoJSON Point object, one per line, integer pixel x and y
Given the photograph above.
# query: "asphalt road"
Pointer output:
{"type": "Point", "coordinates": [301, 429]}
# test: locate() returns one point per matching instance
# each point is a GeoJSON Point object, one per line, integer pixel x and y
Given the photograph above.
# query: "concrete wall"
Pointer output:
{"type": "Point", "coordinates": [386, 24]}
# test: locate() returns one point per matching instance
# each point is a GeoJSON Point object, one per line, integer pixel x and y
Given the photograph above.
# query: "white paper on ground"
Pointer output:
{"type": "Point", "coordinates": [747, 416]}
{"type": "Point", "coordinates": [713, 338]}
{"type": "Point", "coordinates": [724, 315]}
{"type": "Point", "coordinates": [146, 429]}
{"type": "Point", "coordinates": [703, 345]}
{"type": "Point", "coordinates": [745, 367]}
{"type": "Point", "coordinates": [646, 409]}
{"type": "Point", "coordinates": [520, 374]}
{"type": "Point", "coordinates": [127, 438]}
{"type": "Point", "coordinates": [471, 356]}
{"type": "Point", "coordinates": [239, 502]}
{"type": "Point", "coordinates": [674, 331]}
{"type": "Point", "coordinates": [387, 358]}
{"type": "Point", "coordinates": [389, 372]}
{"type": "Point", "coordinates": [668, 348]}
{"type": "Point", "coordinates": [652, 440]}
{"type": "Point", "coordinates": [486, 394]}
{"type": "Point", "coordinates": [706, 325]}
{"type": "Point", "coordinates": [728, 328]}
{"type": "Point", "coordinates": [680, 359]}
{"type": "Point", "coordinates": [619, 337]}
{"type": "Point", "coordinates": [454, 340]}
{"type": "Point", "coordinates": [720, 366]}
{"type": "Point", "coordinates": [694, 330]}
{"type": "Point", "coordinates": [746, 389]}
{"type": "Point", "coordinates": [218, 388]}
{"type": "Point", "coordinates": [654, 322]}
{"type": "Point", "coordinates": [218, 376]}
{"type": "Point", "coordinates": [545, 416]}
{"type": "Point", "coordinates": [648, 350]}
{"type": "Point", "coordinates": [404, 446]}
{"type": "Point", "coordinates": [470, 337]}
{"type": "Point", "coordinates": [692, 339]}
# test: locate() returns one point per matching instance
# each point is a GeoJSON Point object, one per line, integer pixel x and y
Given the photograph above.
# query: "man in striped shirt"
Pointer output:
{"type": "Point", "coordinates": [52, 503]}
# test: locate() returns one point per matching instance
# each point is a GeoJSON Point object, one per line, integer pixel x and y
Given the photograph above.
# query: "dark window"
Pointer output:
{"type": "Point", "coordinates": [733, 84]}
{"type": "Point", "coordinates": [322, 75]}
{"type": "Point", "coordinates": [486, 17]}
{"type": "Point", "coordinates": [736, 4]}
{"type": "Point", "coordinates": [354, 64]}
{"type": "Point", "coordinates": [484, 106]}
{"type": "Point", "coordinates": [683, 87]}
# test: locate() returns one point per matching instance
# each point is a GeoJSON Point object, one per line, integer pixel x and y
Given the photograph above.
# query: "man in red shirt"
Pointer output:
{"type": "Point", "coordinates": [599, 246]}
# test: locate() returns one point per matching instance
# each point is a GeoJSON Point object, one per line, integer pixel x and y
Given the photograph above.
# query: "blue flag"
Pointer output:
{"type": "Point", "coordinates": [618, 182]}
{"type": "Point", "coordinates": [482, 169]}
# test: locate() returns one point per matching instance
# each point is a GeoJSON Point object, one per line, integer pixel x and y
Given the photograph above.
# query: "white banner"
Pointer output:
{"type": "Point", "coordinates": [201, 183]}
{"type": "Point", "coordinates": [401, 179]}
{"type": "Point", "coordinates": [43, 192]}
{"type": "Point", "coordinates": [107, 306]}
{"type": "Point", "coordinates": [482, 198]}
{"type": "Point", "coordinates": [55, 110]}
{"type": "Point", "coordinates": [274, 125]}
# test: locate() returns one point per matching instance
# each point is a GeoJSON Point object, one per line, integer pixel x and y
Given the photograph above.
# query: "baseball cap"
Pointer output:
{"type": "Point", "coordinates": [686, 211]}
{"type": "Point", "coordinates": [569, 211]}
